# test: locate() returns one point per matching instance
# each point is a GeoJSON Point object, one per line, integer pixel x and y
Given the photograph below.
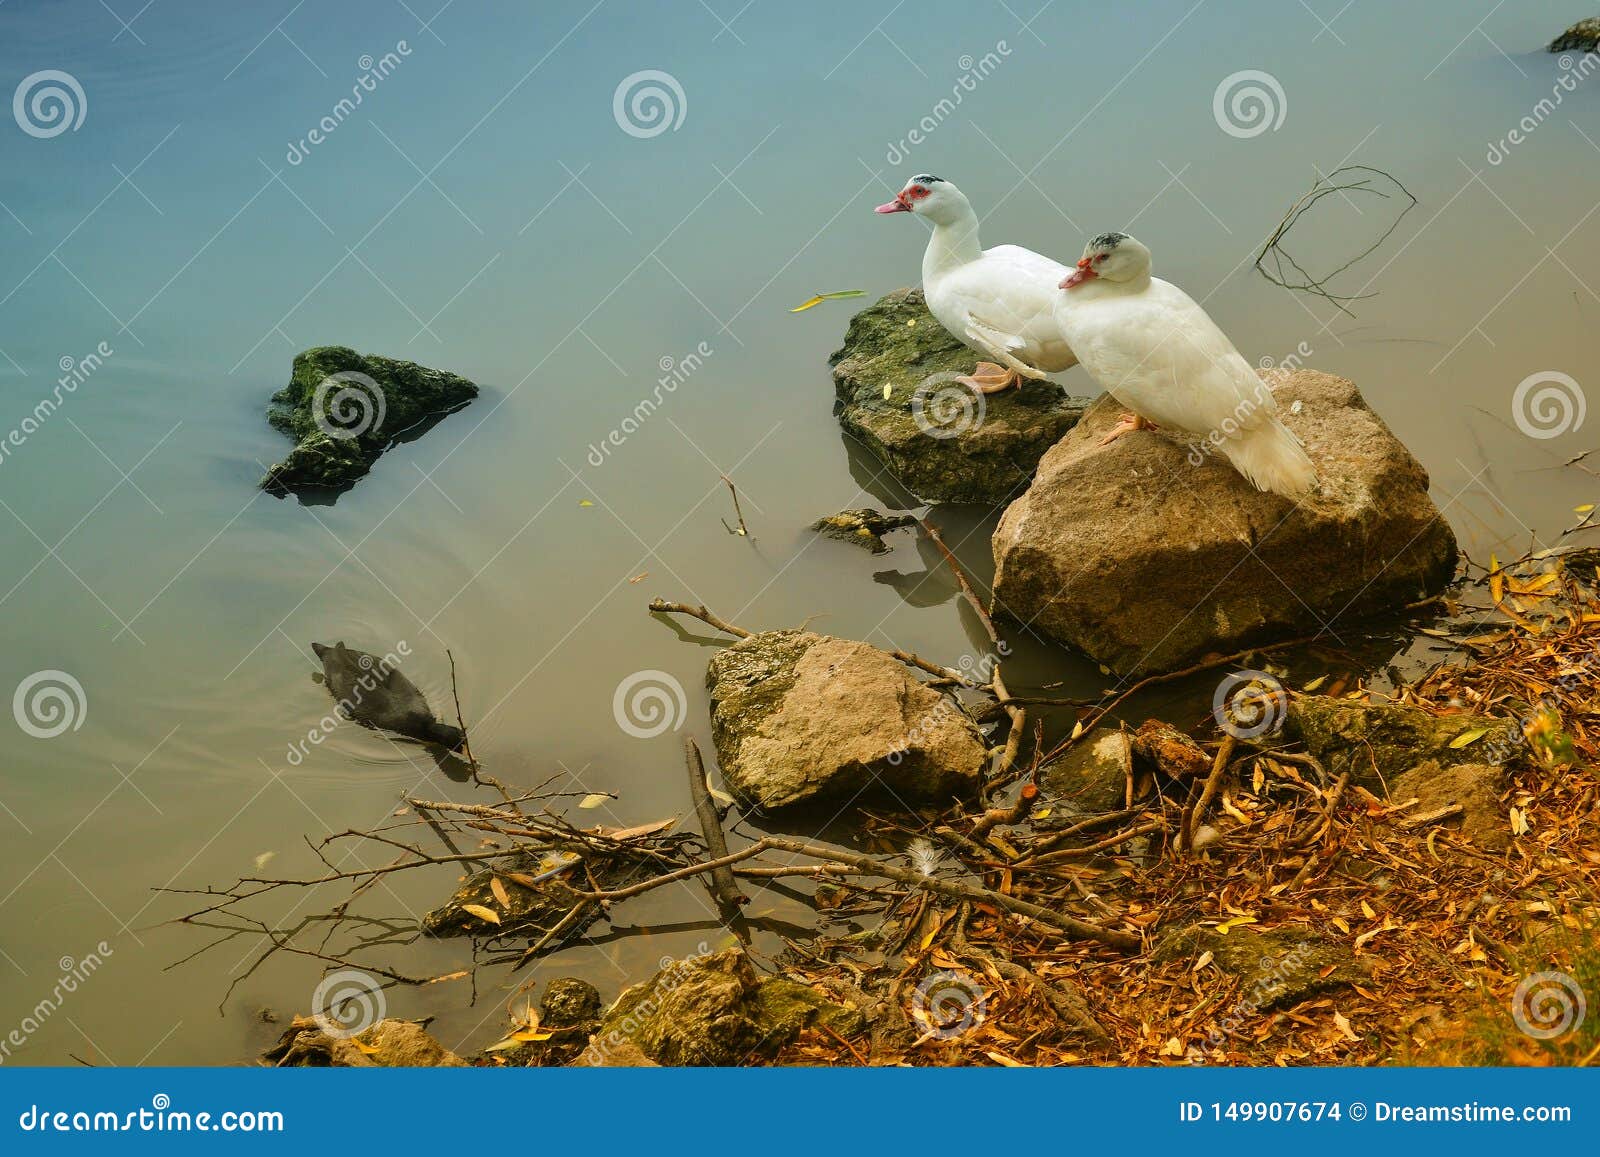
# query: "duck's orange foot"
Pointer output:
{"type": "Point", "coordinates": [1127, 424]}
{"type": "Point", "coordinates": [989, 378]}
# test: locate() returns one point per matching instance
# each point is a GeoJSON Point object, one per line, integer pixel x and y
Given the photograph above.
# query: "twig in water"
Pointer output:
{"type": "Point", "coordinates": [741, 530]}
{"type": "Point", "coordinates": [961, 580]}
{"type": "Point", "coordinates": [1323, 187]}
{"type": "Point", "coordinates": [723, 888]}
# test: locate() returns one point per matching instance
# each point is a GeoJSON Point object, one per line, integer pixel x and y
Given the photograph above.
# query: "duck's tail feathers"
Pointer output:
{"type": "Point", "coordinates": [1273, 459]}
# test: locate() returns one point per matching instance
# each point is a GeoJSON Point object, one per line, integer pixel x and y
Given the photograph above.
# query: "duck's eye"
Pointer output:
{"type": "Point", "coordinates": [916, 192]}
{"type": "Point", "coordinates": [1101, 256]}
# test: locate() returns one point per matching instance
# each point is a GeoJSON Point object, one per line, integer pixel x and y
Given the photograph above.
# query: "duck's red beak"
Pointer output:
{"type": "Point", "coordinates": [1079, 275]}
{"type": "Point", "coordinates": [898, 205]}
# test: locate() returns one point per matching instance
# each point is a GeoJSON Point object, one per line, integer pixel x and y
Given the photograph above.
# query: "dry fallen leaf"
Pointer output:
{"type": "Point", "coordinates": [482, 913]}
{"type": "Point", "coordinates": [499, 890]}
{"type": "Point", "coordinates": [593, 800]}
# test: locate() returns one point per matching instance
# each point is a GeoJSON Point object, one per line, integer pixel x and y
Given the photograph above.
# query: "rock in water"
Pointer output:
{"type": "Point", "coordinates": [802, 718]}
{"type": "Point", "coordinates": [863, 527]}
{"type": "Point", "coordinates": [1583, 36]}
{"type": "Point", "coordinates": [897, 393]}
{"type": "Point", "coordinates": [371, 690]}
{"type": "Point", "coordinates": [344, 409]}
{"type": "Point", "coordinates": [1146, 560]}
{"type": "Point", "coordinates": [712, 1010]}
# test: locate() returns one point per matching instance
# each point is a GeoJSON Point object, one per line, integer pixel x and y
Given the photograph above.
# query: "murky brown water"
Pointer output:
{"type": "Point", "coordinates": [558, 261]}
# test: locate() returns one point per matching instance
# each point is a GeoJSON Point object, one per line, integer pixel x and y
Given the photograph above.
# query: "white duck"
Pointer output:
{"type": "Point", "coordinates": [1150, 345]}
{"type": "Point", "coordinates": [999, 301]}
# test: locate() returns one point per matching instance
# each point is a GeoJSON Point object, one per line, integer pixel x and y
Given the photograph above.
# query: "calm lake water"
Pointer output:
{"type": "Point", "coordinates": [483, 210]}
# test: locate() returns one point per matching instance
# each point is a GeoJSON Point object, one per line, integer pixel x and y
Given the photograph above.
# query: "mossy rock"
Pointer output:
{"type": "Point", "coordinates": [1280, 968]}
{"type": "Point", "coordinates": [714, 1010]}
{"type": "Point", "coordinates": [344, 409]}
{"type": "Point", "coordinates": [1584, 36]}
{"type": "Point", "coordinates": [1089, 778]}
{"type": "Point", "coordinates": [1377, 742]}
{"type": "Point", "coordinates": [894, 378]}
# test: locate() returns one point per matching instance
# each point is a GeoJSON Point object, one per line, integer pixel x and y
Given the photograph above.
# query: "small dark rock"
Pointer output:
{"type": "Point", "coordinates": [1089, 778]}
{"type": "Point", "coordinates": [864, 527]}
{"type": "Point", "coordinates": [1584, 36]}
{"type": "Point", "coordinates": [569, 1001]}
{"type": "Point", "coordinates": [344, 409]}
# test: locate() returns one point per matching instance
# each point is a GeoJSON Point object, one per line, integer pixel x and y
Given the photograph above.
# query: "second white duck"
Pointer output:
{"type": "Point", "coordinates": [998, 301]}
{"type": "Point", "coordinates": [1152, 347]}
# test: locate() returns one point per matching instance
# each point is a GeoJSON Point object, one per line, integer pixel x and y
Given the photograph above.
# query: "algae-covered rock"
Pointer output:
{"type": "Point", "coordinates": [1148, 553]}
{"type": "Point", "coordinates": [344, 409]}
{"type": "Point", "coordinates": [804, 718]}
{"type": "Point", "coordinates": [1376, 742]}
{"type": "Point", "coordinates": [1280, 968]}
{"type": "Point", "coordinates": [1089, 778]}
{"type": "Point", "coordinates": [399, 1044]}
{"type": "Point", "coordinates": [895, 382]}
{"type": "Point", "coordinates": [713, 1010]}
{"type": "Point", "coordinates": [863, 527]}
{"type": "Point", "coordinates": [1584, 36]}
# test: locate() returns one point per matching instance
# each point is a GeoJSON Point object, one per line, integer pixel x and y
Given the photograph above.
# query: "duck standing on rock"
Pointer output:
{"type": "Point", "coordinates": [999, 301]}
{"type": "Point", "coordinates": [1150, 345]}
{"type": "Point", "coordinates": [371, 690]}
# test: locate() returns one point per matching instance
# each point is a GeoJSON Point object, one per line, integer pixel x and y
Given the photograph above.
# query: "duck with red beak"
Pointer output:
{"type": "Point", "coordinates": [1150, 345]}
{"type": "Point", "coordinates": [999, 302]}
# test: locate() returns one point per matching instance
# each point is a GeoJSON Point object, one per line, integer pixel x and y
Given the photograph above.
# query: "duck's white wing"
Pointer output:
{"type": "Point", "coordinates": [1161, 355]}
{"type": "Point", "coordinates": [1008, 297]}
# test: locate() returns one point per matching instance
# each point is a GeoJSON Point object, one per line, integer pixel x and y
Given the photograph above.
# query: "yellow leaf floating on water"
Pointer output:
{"type": "Point", "coordinates": [499, 891]}
{"type": "Point", "coordinates": [1467, 737]}
{"type": "Point", "coordinates": [1584, 509]}
{"type": "Point", "coordinates": [819, 298]}
{"type": "Point", "coordinates": [482, 913]}
{"type": "Point", "coordinates": [584, 502]}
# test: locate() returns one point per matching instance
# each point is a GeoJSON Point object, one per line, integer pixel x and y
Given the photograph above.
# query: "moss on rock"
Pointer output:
{"type": "Point", "coordinates": [344, 409]}
{"type": "Point", "coordinates": [895, 382]}
{"type": "Point", "coordinates": [1377, 742]}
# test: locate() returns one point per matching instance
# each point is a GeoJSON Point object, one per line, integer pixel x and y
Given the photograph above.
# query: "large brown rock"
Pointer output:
{"type": "Point", "coordinates": [1146, 560]}
{"type": "Point", "coordinates": [802, 718]}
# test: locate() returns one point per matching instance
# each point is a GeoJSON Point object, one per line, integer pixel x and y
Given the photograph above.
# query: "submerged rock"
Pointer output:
{"type": "Point", "coordinates": [895, 382]}
{"type": "Point", "coordinates": [1148, 554]}
{"type": "Point", "coordinates": [1583, 36]}
{"type": "Point", "coordinates": [370, 689]}
{"type": "Point", "coordinates": [344, 409]}
{"type": "Point", "coordinates": [712, 1010]}
{"type": "Point", "coordinates": [1376, 742]}
{"type": "Point", "coordinates": [864, 527]}
{"type": "Point", "coordinates": [803, 718]}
